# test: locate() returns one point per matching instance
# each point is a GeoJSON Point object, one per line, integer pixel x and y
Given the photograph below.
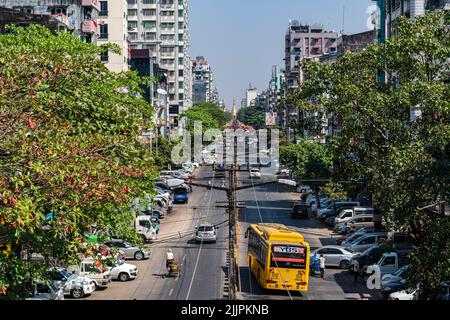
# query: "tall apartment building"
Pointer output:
{"type": "Point", "coordinates": [163, 27]}
{"type": "Point", "coordinates": [250, 96]}
{"type": "Point", "coordinates": [390, 11]}
{"type": "Point", "coordinates": [203, 89]}
{"type": "Point", "coordinates": [303, 42]}
{"type": "Point", "coordinates": [113, 28]}
{"type": "Point", "coordinates": [80, 16]}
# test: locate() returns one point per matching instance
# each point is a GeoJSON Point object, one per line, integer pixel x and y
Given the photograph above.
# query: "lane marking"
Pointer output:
{"type": "Point", "coordinates": [170, 292]}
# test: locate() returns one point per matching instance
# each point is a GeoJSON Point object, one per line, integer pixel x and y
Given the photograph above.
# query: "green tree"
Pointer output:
{"type": "Point", "coordinates": [252, 116]}
{"type": "Point", "coordinates": [308, 160]}
{"type": "Point", "coordinates": [69, 155]}
{"type": "Point", "coordinates": [199, 114]}
{"type": "Point", "coordinates": [214, 110]}
{"type": "Point", "coordinates": [405, 164]}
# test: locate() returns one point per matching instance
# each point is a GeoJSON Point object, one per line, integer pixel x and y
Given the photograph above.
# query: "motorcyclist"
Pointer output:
{"type": "Point", "coordinates": [170, 258]}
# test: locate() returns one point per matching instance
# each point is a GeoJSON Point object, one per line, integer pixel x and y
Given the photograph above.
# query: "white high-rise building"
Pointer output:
{"type": "Point", "coordinates": [113, 27]}
{"type": "Point", "coordinates": [163, 27]}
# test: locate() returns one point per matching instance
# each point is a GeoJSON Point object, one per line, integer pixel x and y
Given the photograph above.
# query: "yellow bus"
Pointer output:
{"type": "Point", "coordinates": [278, 257]}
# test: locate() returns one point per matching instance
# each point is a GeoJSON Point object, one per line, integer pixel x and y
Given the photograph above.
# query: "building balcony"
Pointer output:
{"type": "Point", "coordinates": [181, 79]}
{"type": "Point", "coordinates": [167, 30]}
{"type": "Point", "coordinates": [91, 3]}
{"type": "Point", "coordinates": [181, 43]}
{"type": "Point", "coordinates": [168, 42]}
{"type": "Point", "coordinates": [168, 55]}
{"type": "Point", "coordinates": [168, 6]}
{"type": "Point", "coordinates": [180, 7]}
{"type": "Point", "coordinates": [180, 31]}
{"type": "Point", "coordinates": [180, 19]}
{"type": "Point", "coordinates": [181, 55]}
{"type": "Point", "coordinates": [181, 90]}
{"type": "Point", "coordinates": [90, 26]}
{"type": "Point", "coordinates": [167, 18]}
{"type": "Point", "coordinates": [149, 6]}
{"type": "Point", "coordinates": [63, 19]}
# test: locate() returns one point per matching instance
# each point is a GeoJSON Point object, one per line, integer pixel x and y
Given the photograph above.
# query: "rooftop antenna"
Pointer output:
{"type": "Point", "coordinates": [343, 20]}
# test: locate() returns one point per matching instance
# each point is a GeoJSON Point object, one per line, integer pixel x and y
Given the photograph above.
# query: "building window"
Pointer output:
{"type": "Point", "coordinates": [149, 12]}
{"type": "Point", "coordinates": [180, 96]}
{"type": "Point", "coordinates": [104, 56]}
{"type": "Point", "coordinates": [132, 1]}
{"type": "Point", "coordinates": [133, 36]}
{"type": "Point", "coordinates": [150, 36]}
{"type": "Point", "coordinates": [103, 31]}
{"type": "Point", "coordinates": [148, 1]}
{"type": "Point", "coordinates": [132, 12]}
{"type": "Point", "coordinates": [149, 24]}
{"type": "Point", "coordinates": [103, 8]}
{"type": "Point", "coordinates": [132, 25]}
{"type": "Point", "coordinates": [57, 10]}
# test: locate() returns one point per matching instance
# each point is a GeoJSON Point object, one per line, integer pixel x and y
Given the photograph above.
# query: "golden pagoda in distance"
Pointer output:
{"type": "Point", "coordinates": [234, 111]}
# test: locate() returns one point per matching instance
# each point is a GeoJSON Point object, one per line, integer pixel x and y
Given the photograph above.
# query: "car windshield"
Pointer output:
{"type": "Point", "coordinates": [205, 228]}
{"type": "Point", "coordinates": [66, 274]}
{"type": "Point", "coordinates": [354, 237]}
{"type": "Point", "coordinates": [180, 191]}
{"type": "Point", "coordinates": [119, 263]}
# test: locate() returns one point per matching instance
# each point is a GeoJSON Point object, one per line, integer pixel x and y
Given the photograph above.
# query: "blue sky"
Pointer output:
{"type": "Point", "coordinates": [242, 39]}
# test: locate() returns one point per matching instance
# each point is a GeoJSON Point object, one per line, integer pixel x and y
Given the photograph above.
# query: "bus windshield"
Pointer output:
{"type": "Point", "coordinates": [287, 256]}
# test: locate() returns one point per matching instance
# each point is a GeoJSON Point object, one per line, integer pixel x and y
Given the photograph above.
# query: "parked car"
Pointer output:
{"type": "Point", "coordinates": [407, 294]}
{"type": "Point", "coordinates": [355, 223]}
{"type": "Point", "coordinates": [395, 276]}
{"type": "Point", "coordinates": [361, 261]}
{"type": "Point", "coordinates": [42, 291]}
{"type": "Point", "coordinates": [299, 210]}
{"type": "Point", "coordinates": [304, 189]}
{"type": "Point", "coordinates": [351, 237]}
{"type": "Point", "coordinates": [255, 173]}
{"type": "Point", "coordinates": [87, 268]}
{"type": "Point", "coordinates": [365, 242]}
{"type": "Point", "coordinates": [181, 194]}
{"type": "Point", "coordinates": [392, 286]}
{"type": "Point", "coordinates": [335, 207]}
{"type": "Point", "coordinates": [71, 284]}
{"type": "Point", "coordinates": [206, 233]}
{"type": "Point", "coordinates": [130, 251]}
{"type": "Point", "coordinates": [335, 256]}
{"type": "Point", "coordinates": [346, 214]}
{"type": "Point", "coordinates": [122, 271]}
{"type": "Point", "coordinates": [311, 199]}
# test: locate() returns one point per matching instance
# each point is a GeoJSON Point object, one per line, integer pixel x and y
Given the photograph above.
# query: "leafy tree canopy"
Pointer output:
{"type": "Point", "coordinates": [252, 116]}
{"type": "Point", "coordinates": [69, 155]}
{"type": "Point", "coordinates": [404, 163]}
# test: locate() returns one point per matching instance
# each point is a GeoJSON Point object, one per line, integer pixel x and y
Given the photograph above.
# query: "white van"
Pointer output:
{"type": "Point", "coordinates": [346, 214]}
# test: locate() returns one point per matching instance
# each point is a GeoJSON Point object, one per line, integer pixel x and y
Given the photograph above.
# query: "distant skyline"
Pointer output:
{"type": "Point", "coordinates": [242, 40]}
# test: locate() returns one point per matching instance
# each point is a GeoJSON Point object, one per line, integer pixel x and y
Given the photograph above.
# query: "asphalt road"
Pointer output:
{"type": "Point", "coordinates": [273, 203]}
{"type": "Point", "coordinates": [203, 266]}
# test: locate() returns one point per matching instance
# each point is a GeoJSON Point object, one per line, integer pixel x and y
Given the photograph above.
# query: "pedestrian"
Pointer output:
{"type": "Point", "coordinates": [322, 265]}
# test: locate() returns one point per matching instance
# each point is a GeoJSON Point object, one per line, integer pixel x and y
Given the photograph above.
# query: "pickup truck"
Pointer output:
{"type": "Point", "coordinates": [87, 268]}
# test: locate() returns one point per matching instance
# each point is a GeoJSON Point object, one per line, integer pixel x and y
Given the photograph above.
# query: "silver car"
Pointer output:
{"type": "Point", "coordinates": [335, 256]}
{"type": "Point", "coordinates": [365, 242]}
{"type": "Point", "coordinates": [206, 233]}
{"type": "Point", "coordinates": [131, 252]}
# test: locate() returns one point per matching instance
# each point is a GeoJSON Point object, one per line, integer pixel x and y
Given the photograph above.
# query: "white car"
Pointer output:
{"type": "Point", "coordinates": [123, 271]}
{"type": "Point", "coordinates": [75, 286]}
{"type": "Point", "coordinates": [304, 189]}
{"type": "Point", "coordinates": [255, 173]}
{"type": "Point", "coordinates": [206, 233]}
{"type": "Point", "coordinates": [408, 294]}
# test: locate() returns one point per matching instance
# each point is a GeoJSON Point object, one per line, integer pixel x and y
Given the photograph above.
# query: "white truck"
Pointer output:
{"type": "Point", "coordinates": [87, 268]}
{"type": "Point", "coordinates": [143, 226]}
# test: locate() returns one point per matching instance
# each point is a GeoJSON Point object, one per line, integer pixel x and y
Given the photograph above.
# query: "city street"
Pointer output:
{"type": "Point", "coordinates": [272, 203]}
{"type": "Point", "coordinates": [204, 269]}
{"type": "Point", "coordinates": [202, 266]}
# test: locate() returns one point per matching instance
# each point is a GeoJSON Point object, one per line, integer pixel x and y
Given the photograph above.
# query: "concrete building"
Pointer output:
{"type": "Point", "coordinates": [79, 16]}
{"type": "Point", "coordinates": [163, 27]}
{"type": "Point", "coordinates": [143, 62]}
{"type": "Point", "coordinates": [303, 42]}
{"type": "Point", "coordinates": [203, 89]}
{"type": "Point", "coordinates": [114, 29]}
{"type": "Point", "coordinates": [251, 96]}
{"type": "Point", "coordinates": [24, 19]}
